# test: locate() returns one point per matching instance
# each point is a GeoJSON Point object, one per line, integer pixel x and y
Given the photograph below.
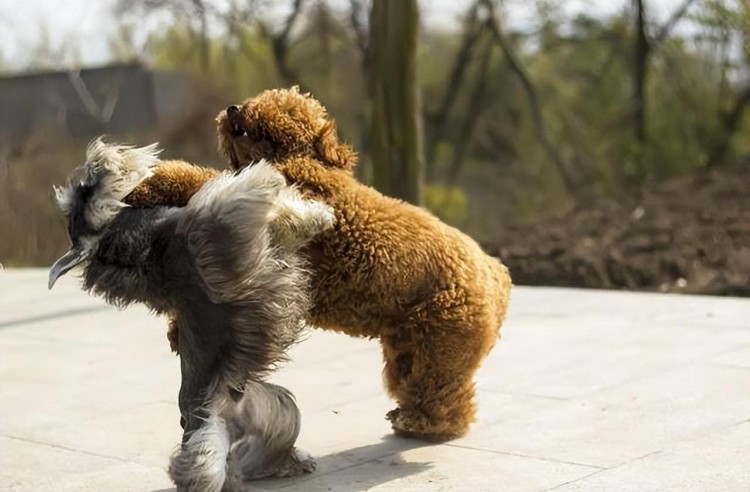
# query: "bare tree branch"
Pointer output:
{"type": "Point", "coordinates": [536, 109]}
{"type": "Point", "coordinates": [463, 58]}
{"type": "Point", "coordinates": [731, 123]}
{"type": "Point", "coordinates": [644, 47]}
{"type": "Point", "coordinates": [357, 16]}
{"type": "Point", "coordinates": [290, 20]}
{"type": "Point", "coordinates": [204, 53]}
{"type": "Point", "coordinates": [676, 16]}
{"type": "Point", "coordinates": [640, 77]}
{"type": "Point", "coordinates": [473, 113]}
{"type": "Point", "coordinates": [280, 43]}
{"type": "Point", "coordinates": [237, 21]}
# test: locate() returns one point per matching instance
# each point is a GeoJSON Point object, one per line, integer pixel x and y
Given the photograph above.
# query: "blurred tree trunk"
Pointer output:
{"type": "Point", "coordinates": [730, 123]}
{"type": "Point", "coordinates": [640, 74]}
{"type": "Point", "coordinates": [358, 19]}
{"type": "Point", "coordinates": [398, 163]}
{"type": "Point", "coordinates": [644, 47]}
{"type": "Point", "coordinates": [280, 43]}
{"type": "Point", "coordinates": [203, 46]}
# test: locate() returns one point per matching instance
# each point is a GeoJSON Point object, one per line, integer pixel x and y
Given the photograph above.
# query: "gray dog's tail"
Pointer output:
{"type": "Point", "coordinates": [242, 439]}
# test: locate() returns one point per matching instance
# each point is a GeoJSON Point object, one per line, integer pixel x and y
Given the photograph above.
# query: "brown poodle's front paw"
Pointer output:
{"type": "Point", "coordinates": [410, 423]}
{"type": "Point", "coordinates": [405, 423]}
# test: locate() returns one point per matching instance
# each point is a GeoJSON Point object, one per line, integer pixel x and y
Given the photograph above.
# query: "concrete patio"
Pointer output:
{"type": "Point", "coordinates": [588, 390]}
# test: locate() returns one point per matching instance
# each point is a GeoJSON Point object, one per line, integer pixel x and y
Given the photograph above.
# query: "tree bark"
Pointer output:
{"type": "Point", "coordinates": [398, 163]}
{"type": "Point", "coordinates": [640, 74]}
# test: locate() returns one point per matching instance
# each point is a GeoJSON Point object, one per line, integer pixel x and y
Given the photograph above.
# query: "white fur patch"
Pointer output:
{"type": "Point", "coordinates": [261, 182]}
{"type": "Point", "coordinates": [201, 463]}
{"type": "Point", "coordinates": [295, 221]}
{"type": "Point", "coordinates": [112, 171]}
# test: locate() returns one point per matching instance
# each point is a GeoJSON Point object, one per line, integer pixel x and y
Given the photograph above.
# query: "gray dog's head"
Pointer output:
{"type": "Point", "coordinates": [92, 196]}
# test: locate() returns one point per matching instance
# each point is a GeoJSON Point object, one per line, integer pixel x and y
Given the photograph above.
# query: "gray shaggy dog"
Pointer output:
{"type": "Point", "coordinates": [228, 266]}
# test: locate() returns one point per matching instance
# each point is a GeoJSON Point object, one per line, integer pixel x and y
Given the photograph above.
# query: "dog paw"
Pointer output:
{"type": "Point", "coordinates": [402, 422]}
{"type": "Point", "coordinates": [299, 463]}
{"type": "Point", "coordinates": [405, 419]}
{"type": "Point", "coordinates": [306, 461]}
{"type": "Point", "coordinates": [413, 424]}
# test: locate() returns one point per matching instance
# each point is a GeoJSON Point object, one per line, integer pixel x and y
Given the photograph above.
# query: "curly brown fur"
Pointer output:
{"type": "Point", "coordinates": [171, 184]}
{"type": "Point", "coordinates": [280, 124]}
{"type": "Point", "coordinates": [387, 269]}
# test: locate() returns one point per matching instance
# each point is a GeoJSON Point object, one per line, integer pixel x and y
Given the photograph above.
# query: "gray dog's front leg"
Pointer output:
{"type": "Point", "coordinates": [200, 462]}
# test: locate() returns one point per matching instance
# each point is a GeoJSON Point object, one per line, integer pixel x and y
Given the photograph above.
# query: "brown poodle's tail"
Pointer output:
{"type": "Point", "coordinates": [503, 286]}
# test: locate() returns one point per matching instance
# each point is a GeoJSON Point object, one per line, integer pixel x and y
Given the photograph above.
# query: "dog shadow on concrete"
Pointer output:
{"type": "Point", "coordinates": [354, 469]}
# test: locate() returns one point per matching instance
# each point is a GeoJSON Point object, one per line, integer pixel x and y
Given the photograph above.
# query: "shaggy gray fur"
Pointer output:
{"type": "Point", "coordinates": [228, 266]}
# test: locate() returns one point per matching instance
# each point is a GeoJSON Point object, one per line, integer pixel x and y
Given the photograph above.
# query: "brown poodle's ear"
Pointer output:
{"type": "Point", "coordinates": [332, 152]}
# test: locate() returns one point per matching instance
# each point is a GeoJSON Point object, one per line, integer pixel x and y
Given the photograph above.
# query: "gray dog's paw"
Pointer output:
{"type": "Point", "coordinates": [306, 461]}
{"type": "Point", "coordinates": [299, 463]}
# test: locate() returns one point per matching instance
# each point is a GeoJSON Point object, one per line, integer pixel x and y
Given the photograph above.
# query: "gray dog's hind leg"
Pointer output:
{"type": "Point", "coordinates": [265, 424]}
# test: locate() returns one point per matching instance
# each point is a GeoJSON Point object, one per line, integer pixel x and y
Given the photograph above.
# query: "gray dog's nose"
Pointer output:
{"type": "Point", "coordinates": [233, 109]}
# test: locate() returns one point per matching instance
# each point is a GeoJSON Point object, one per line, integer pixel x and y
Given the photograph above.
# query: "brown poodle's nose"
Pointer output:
{"type": "Point", "coordinates": [233, 109]}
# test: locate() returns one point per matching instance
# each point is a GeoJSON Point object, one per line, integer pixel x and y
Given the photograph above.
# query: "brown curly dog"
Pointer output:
{"type": "Point", "coordinates": [387, 269]}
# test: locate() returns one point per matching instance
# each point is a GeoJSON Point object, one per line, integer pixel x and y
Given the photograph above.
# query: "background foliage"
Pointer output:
{"type": "Point", "coordinates": [519, 123]}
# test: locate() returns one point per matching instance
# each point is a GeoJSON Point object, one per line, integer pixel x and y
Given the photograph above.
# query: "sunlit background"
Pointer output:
{"type": "Point", "coordinates": [590, 143]}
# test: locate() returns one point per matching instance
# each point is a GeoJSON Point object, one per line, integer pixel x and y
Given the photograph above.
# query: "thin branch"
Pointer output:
{"type": "Point", "coordinates": [676, 16]}
{"type": "Point", "coordinates": [280, 44]}
{"type": "Point", "coordinates": [731, 123]}
{"type": "Point", "coordinates": [536, 108]}
{"type": "Point", "coordinates": [358, 11]}
{"type": "Point", "coordinates": [290, 20]}
{"type": "Point", "coordinates": [455, 82]}
{"type": "Point", "coordinates": [473, 113]}
{"type": "Point", "coordinates": [644, 48]}
{"type": "Point", "coordinates": [357, 14]}
{"type": "Point", "coordinates": [640, 75]}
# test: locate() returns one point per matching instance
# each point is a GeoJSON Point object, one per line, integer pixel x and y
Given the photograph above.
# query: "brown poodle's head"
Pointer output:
{"type": "Point", "coordinates": [278, 124]}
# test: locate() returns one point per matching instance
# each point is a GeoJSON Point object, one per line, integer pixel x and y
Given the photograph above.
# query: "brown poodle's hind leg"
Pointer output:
{"type": "Point", "coordinates": [429, 370]}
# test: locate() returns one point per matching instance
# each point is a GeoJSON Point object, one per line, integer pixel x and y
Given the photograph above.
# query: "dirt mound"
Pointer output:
{"type": "Point", "coordinates": [689, 235]}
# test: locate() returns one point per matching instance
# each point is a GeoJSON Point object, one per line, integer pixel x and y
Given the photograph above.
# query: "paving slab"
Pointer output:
{"type": "Point", "coordinates": [723, 458]}
{"type": "Point", "coordinates": [587, 390]}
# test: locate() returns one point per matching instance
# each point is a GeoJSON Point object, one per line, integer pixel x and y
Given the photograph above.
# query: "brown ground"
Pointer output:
{"type": "Point", "coordinates": [688, 235]}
